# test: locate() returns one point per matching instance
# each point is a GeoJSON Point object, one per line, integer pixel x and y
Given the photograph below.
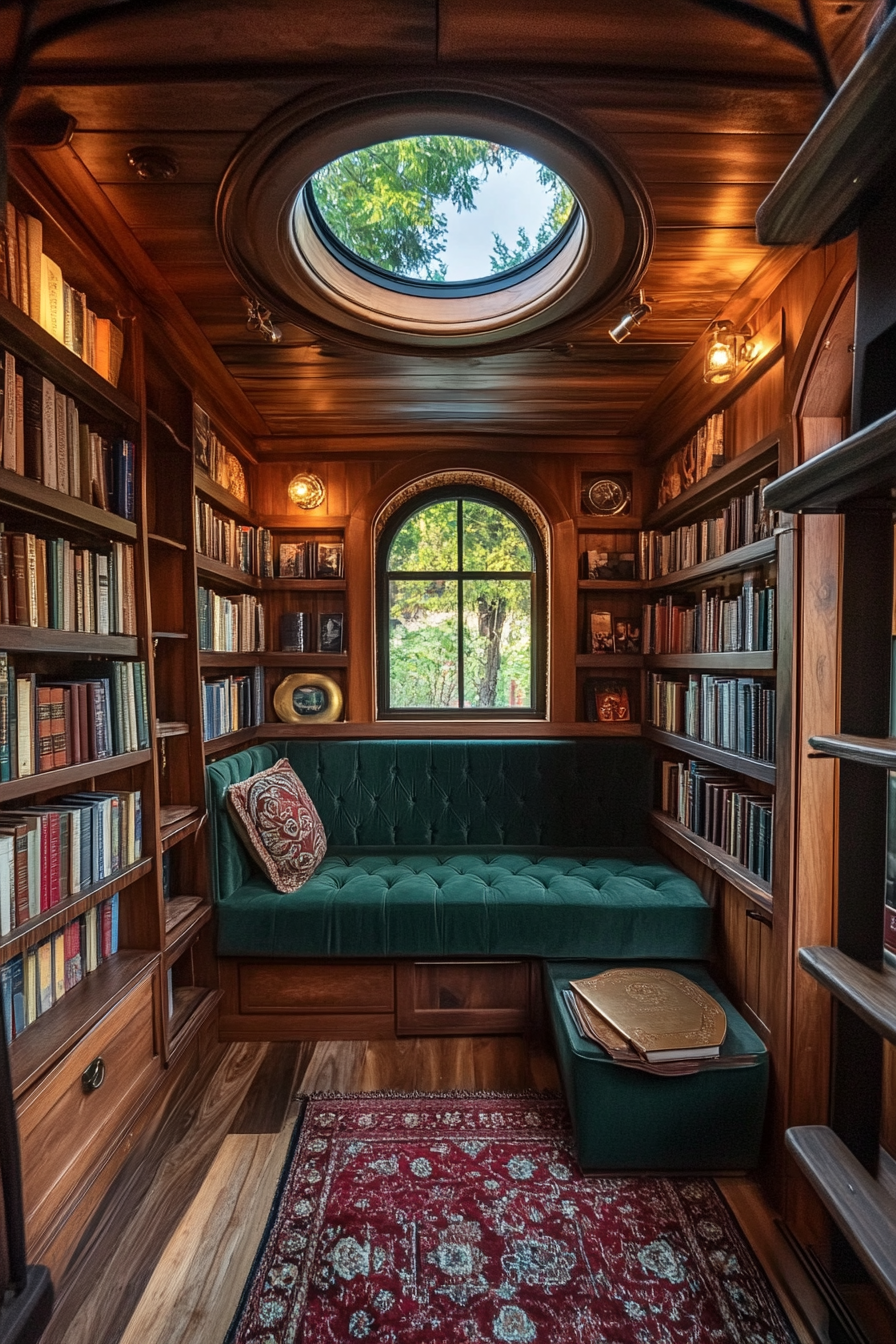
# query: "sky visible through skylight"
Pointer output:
{"type": "Point", "coordinates": [441, 208]}
{"type": "Point", "coordinates": [505, 202]}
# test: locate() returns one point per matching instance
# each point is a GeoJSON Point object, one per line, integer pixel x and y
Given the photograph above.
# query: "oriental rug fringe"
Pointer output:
{"type": "Point", "coordinates": [461, 1218]}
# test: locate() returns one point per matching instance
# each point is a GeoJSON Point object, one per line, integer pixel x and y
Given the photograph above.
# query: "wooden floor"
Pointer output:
{"type": "Point", "coordinates": [167, 1263]}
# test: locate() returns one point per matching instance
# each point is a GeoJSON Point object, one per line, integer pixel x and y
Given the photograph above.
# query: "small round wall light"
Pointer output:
{"type": "Point", "coordinates": [306, 490]}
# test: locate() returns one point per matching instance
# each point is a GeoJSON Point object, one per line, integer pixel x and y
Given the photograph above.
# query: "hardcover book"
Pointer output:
{"type": "Point", "coordinates": [662, 1014]}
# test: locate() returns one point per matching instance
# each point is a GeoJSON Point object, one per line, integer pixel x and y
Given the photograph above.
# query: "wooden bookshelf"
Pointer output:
{"type": "Point", "coordinates": [57, 781]}
{"type": "Point", "coordinates": [215, 494]}
{"type": "Point", "coordinates": [740, 664]}
{"type": "Point", "coordinates": [207, 568]}
{"type": "Point", "coordinates": [21, 492]}
{"type": "Point", "coordinates": [715, 858]}
{"type": "Point", "coordinates": [732, 562]}
{"type": "Point", "coordinates": [705, 751]}
{"type": "Point", "coordinates": [718, 487]}
{"type": "Point", "coordinates": [50, 921]}
{"type": "Point", "coordinates": [66, 643]}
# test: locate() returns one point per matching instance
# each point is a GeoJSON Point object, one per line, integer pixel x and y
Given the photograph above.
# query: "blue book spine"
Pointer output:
{"type": "Point", "coordinates": [18, 994]}
{"type": "Point", "coordinates": [138, 825]}
{"type": "Point", "coordinates": [6, 998]}
{"type": "Point", "coordinates": [113, 904]}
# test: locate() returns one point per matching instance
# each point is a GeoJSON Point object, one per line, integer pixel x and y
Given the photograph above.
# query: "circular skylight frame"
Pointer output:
{"type": "Point", "coordinates": [272, 244]}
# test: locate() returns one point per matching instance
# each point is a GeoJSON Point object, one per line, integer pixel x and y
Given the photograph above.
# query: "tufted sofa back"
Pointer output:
{"type": "Point", "coordinates": [381, 794]}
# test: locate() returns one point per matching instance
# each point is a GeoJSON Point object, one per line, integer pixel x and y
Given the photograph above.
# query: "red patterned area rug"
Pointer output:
{"type": "Point", "coordinates": [463, 1217]}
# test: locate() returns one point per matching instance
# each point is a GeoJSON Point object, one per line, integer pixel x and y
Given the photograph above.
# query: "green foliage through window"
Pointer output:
{"type": "Point", "coordinates": [387, 202]}
{"type": "Point", "coordinates": [460, 593]}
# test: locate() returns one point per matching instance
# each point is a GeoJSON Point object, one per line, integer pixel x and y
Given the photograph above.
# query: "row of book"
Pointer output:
{"type": "Point", "coordinates": [223, 466]}
{"type": "Point", "coordinates": [51, 852]}
{"type": "Point", "coordinates": [35, 980]}
{"type": "Point", "coordinates": [47, 582]}
{"type": "Point", "coordinates": [704, 451]}
{"type": "Point", "coordinates": [248, 549]}
{"type": "Point", "coordinates": [44, 438]}
{"type": "Point", "coordinates": [715, 806]}
{"type": "Point", "coordinates": [59, 722]}
{"type": "Point", "coordinates": [231, 703]}
{"type": "Point", "coordinates": [230, 624]}
{"type": "Point", "coordinates": [743, 521]}
{"type": "Point", "coordinates": [718, 623]}
{"type": "Point", "coordinates": [35, 283]}
{"type": "Point", "coordinates": [732, 713]}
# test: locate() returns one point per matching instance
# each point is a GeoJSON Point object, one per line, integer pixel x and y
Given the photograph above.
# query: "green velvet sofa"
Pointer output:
{"type": "Point", "coordinates": [515, 848]}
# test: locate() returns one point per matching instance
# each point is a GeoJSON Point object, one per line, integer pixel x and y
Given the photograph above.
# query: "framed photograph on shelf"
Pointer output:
{"type": "Point", "coordinates": [307, 697]}
{"type": "Point", "coordinates": [291, 560]}
{"type": "Point", "coordinates": [329, 559]}
{"type": "Point", "coordinates": [606, 701]}
{"type": "Point", "coordinates": [602, 632]}
{"type": "Point", "coordinates": [626, 635]}
{"type": "Point", "coordinates": [331, 625]}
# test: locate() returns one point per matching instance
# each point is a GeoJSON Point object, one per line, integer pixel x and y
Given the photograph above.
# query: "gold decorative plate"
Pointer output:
{"type": "Point", "coordinates": [308, 697]}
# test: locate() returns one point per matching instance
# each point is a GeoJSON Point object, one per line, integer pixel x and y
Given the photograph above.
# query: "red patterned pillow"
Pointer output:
{"type": "Point", "coordinates": [279, 825]}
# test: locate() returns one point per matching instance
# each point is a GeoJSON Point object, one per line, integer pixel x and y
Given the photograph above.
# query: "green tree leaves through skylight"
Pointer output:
{"type": "Point", "coordinates": [401, 205]}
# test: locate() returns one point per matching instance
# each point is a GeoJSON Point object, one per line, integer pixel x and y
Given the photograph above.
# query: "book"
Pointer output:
{"type": "Point", "coordinates": [10, 413]}
{"type": "Point", "coordinates": [52, 303]}
{"type": "Point", "coordinates": [661, 1014]}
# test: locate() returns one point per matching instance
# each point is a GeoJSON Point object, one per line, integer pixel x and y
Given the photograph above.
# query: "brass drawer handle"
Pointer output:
{"type": "Point", "coordinates": [760, 916]}
{"type": "Point", "coordinates": [94, 1075]}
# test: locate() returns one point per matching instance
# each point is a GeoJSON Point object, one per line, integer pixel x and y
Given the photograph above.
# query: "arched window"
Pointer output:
{"type": "Point", "coordinates": [461, 608]}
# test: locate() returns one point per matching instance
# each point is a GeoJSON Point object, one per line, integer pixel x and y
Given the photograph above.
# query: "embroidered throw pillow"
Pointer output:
{"type": "Point", "coordinates": [279, 825]}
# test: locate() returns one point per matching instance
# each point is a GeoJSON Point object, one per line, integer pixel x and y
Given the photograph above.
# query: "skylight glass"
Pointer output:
{"type": "Point", "coordinates": [442, 208]}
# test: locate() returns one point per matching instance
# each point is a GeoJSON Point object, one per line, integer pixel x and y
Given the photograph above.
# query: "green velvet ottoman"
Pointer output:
{"type": "Point", "coordinates": [625, 1120]}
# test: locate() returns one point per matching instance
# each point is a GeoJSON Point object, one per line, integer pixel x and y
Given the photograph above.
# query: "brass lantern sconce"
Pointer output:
{"type": "Point", "coordinates": [727, 352]}
{"type": "Point", "coordinates": [307, 490]}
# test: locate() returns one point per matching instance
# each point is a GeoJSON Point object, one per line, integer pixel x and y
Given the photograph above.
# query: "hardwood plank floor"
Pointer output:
{"type": "Point", "coordinates": [168, 1265]}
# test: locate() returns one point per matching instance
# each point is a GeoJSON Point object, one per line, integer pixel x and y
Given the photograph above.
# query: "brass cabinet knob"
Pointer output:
{"type": "Point", "coordinates": [94, 1075]}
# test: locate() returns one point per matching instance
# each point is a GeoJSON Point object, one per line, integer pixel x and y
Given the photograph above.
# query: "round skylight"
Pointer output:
{"type": "Point", "coordinates": [440, 218]}
{"type": "Point", "coordinates": [442, 209]}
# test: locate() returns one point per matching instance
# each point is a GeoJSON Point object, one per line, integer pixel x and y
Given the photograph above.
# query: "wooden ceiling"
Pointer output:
{"type": "Point", "coordinates": [707, 110]}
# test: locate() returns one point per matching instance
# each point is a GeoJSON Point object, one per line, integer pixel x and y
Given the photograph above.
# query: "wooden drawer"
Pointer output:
{"type": "Point", "coordinates": [64, 1131]}
{"type": "Point", "coordinates": [316, 987]}
{"type": "Point", "coordinates": [477, 997]}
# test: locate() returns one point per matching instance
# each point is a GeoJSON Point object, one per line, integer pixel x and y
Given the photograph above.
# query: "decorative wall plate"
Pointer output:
{"type": "Point", "coordinates": [608, 495]}
{"type": "Point", "coordinates": [308, 697]}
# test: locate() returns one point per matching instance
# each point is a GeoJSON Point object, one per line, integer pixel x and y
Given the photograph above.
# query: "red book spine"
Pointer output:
{"type": "Point", "coordinates": [51, 825]}
{"type": "Point", "coordinates": [22, 912]}
{"type": "Point", "coordinates": [46, 875]}
{"type": "Point", "coordinates": [44, 729]}
{"type": "Point", "coordinates": [57, 725]}
{"type": "Point", "coordinates": [106, 912]}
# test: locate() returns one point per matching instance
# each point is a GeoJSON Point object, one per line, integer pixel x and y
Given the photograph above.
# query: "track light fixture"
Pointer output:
{"type": "Point", "coordinates": [259, 319]}
{"type": "Point", "coordinates": [639, 309]}
{"type": "Point", "coordinates": [728, 351]}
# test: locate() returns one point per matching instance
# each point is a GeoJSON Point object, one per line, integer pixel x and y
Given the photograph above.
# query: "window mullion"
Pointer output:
{"type": "Point", "coordinates": [460, 604]}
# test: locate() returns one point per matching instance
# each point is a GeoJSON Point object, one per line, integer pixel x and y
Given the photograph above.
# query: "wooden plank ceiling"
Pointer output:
{"type": "Point", "coordinates": [707, 110]}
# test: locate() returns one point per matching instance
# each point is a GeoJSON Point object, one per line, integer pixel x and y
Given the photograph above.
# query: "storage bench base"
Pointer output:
{"type": "Point", "coordinates": [625, 1120]}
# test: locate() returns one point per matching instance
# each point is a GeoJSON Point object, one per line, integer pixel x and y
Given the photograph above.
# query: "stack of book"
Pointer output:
{"type": "Point", "coordinates": [703, 451]}
{"type": "Point", "coordinates": [733, 713]}
{"type": "Point", "coordinates": [54, 723]}
{"type": "Point", "coordinates": [310, 560]}
{"type": "Point", "coordinates": [231, 703]}
{"type": "Point", "coordinates": [248, 549]}
{"type": "Point", "coordinates": [742, 522]}
{"type": "Point", "coordinates": [47, 582]}
{"type": "Point", "coordinates": [652, 1019]}
{"type": "Point", "coordinates": [230, 624]}
{"type": "Point", "coordinates": [715, 806]}
{"type": "Point", "coordinates": [718, 623]}
{"type": "Point", "coordinates": [33, 282]}
{"type": "Point", "coordinates": [38, 978]}
{"type": "Point", "coordinates": [43, 437]}
{"type": "Point", "coordinates": [51, 852]}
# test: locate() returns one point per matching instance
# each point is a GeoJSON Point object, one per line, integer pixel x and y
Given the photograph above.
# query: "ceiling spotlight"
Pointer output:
{"type": "Point", "coordinates": [152, 163]}
{"type": "Point", "coordinates": [728, 351]}
{"type": "Point", "coordinates": [306, 490]}
{"type": "Point", "coordinates": [636, 314]}
{"type": "Point", "coordinates": [259, 319]}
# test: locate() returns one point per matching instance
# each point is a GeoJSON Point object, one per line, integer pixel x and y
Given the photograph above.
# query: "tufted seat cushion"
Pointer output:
{"type": "Point", "coordinates": [519, 902]}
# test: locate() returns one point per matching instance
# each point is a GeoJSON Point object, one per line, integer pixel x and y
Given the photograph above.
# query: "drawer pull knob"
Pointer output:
{"type": "Point", "coordinates": [94, 1075]}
